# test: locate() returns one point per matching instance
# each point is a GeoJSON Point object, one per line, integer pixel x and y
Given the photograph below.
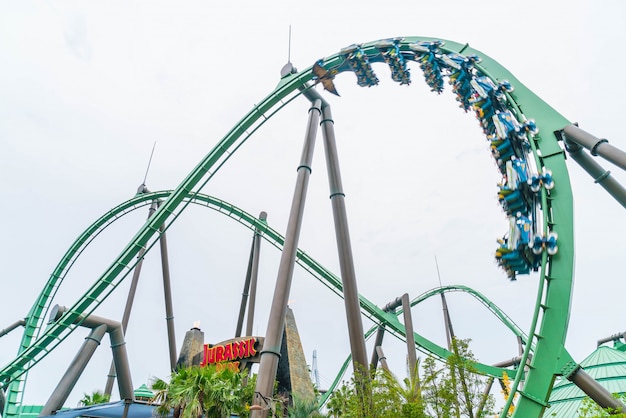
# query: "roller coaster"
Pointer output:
{"type": "Point", "coordinates": [529, 141]}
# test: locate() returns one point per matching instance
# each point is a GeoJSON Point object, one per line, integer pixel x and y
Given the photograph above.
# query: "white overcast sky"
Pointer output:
{"type": "Point", "coordinates": [86, 88]}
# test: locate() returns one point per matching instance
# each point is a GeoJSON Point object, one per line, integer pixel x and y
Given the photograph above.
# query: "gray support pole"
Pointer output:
{"type": "Point", "coordinates": [383, 359]}
{"type": "Point", "coordinates": [483, 399]}
{"type": "Point", "coordinates": [342, 233]}
{"type": "Point", "coordinates": [390, 307]}
{"type": "Point", "coordinates": [611, 338]}
{"type": "Point", "coordinates": [108, 388]}
{"type": "Point", "coordinates": [2, 401]}
{"type": "Point", "coordinates": [167, 293]}
{"type": "Point", "coordinates": [276, 323]}
{"type": "Point", "coordinates": [447, 322]}
{"type": "Point", "coordinates": [118, 346]}
{"type": "Point", "coordinates": [74, 371]}
{"type": "Point", "coordinates": [410, 339]}
{"type": "Point", "coordinates": [595, 391]}
{"type": "Point", "coordinates": [11, 327]}
{"type": "Point", "coordinates": [595, 170]}
{"type": "Point", "coordinates": [133, 288]}
{"type": "Point", "coordinates": [120, 357]}
{"type": "Point", "coordinates": [246, 290]}
{"type": "Point", "coordinates": [380, 333]}
{"type": "Point", "coordinates": [596, 146]}
{"type": "Point", "coordinates": [254, 277]}
{"type": "Point", "coordinates": [464, 387]}
{"type": "Point", "coordinates": [126, 409]}
{"type": "Point", "coordinates": [453, 347]}
{"type": "Point", "coordinates": [508, 363]}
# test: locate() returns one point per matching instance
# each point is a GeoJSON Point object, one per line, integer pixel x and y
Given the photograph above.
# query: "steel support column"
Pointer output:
{"type": "Point", "coordinates": [11, 327]}
{"type": "Point", "coordinates": [600, 175]}
{"type": "Point", "coordinates": [595, 391]}
{"type": "Point", "coordinates": [167, 294]}
{"type": "Point", "coordinates": [381, 356]}
{"type": "Point", "coordinates": [118, 347]}
{"type": "Point", "coordinates": [276, 323]}
{"type": "Point", "coordinates": [74, 371]}
{"type": "Point", "coordinates": [342, 233]}
{"type": "Point", "coordinates": [380, 333]}
{"type": "Point", "coordinates": [596, 146]}
{"type": "Point", "coordinates": [254, 276]}
{"type": "Point", "coordinates": [246, 290]}
{"type": "Point", "coordinates": [447, 322]}
{"type": "Point", "coordinates": [410, 339]}
{"type": "Point", "coordinates": [130, 298]}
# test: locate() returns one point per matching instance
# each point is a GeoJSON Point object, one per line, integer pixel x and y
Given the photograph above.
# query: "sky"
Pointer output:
{"type": "Point", "coordinates": [88, 88]}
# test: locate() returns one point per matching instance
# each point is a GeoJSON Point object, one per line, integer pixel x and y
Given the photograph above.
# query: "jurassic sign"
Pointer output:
{"type": "Point", "coordinates": [231, 353]}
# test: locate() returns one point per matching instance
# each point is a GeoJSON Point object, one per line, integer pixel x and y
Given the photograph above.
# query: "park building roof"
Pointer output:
{"type": "Point", "coordinates": [607, 365]}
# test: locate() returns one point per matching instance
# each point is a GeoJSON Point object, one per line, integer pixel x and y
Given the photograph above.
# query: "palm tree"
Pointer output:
{"type": "Point", "coordinates": [408, 391]}
{"type": "Point", "coordinates": [339, 401]}
{"type": "Point", "coordinates": [303, 408]}
{"type": "Point", "coordinates": [95, 398]}
{"type": "Point", "coordinates": [200, 391]}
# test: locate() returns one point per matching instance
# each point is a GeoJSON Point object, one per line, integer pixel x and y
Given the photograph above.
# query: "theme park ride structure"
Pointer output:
{"type": "Point", "coordinates": [535, 194]}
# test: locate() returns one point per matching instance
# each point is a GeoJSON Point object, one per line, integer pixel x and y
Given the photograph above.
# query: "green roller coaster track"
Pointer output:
{"type": "Point", "coordinates": [492, 307]}
{"type": "Point", "coordinates": [322, 274]}
{"type": "Point", "coordinates": [549, 322]}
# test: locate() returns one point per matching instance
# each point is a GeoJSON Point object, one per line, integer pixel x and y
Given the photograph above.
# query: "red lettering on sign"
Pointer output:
{"type": "Point", "coordinates": [229, 352]}
{"type": "Point", "coordinates": [251, 350]}
{"type": "Point", "coordinates": [219, 355]}
{"type": "Point", "coordinates": [205, 358]}
{"type": "Point", "coordinates": [236, 352]}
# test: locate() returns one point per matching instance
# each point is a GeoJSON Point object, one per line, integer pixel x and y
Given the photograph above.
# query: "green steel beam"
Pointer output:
{"type": "Point", "coordinates": [492, 307]}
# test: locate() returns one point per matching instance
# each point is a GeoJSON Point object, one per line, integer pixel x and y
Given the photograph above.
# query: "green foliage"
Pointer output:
{"type": "Point", "coordinates": [406, 393]}
{"type": "Point", "coordinates": [304, 408]}
{"type": "Point", "coordinates": [449, 390]}
{"type": "Point", "coordinates": [590, 409]}
{"type": "Point", "coordinates": [360, 397]}
{"type": "Point", "coordinates": [382, 396]}
{"type": "Point", "coordinates": [97, 397]}
{"type": "Point", "coordinates": [463, 384]}
{"type": "Point", "coordinates": [202, 391]}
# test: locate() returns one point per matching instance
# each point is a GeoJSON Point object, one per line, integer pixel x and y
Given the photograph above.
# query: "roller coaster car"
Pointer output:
{"type": "Point", "coordinates": [350, 49]}
{"type": "Point", "coordinates": [359, 64]}
{"type": "Point", "coordinates": [483, 86]}
{"type": "Point", "coordinates": [530, 127]}
{"type": "Point", "coordinates": [399, 71]}
{"type": "Point", "coordinates": [501, 149]}
{"type": "Point", "coordinates": [453, 60]}
{"type": "Point", "coordinates": [540, 243]}
{"type": "Point", "coordinates": [523, 225]}
{"type": "Point", "coordinates": [426, 53]}
{"type": "Point", "coordinates": [521, 172]}
{"type": "Point", "coordinates": [425, 46]}
{"type": "Point", "coordinates": [385, 44]}
{"type": "Point", "coordinates": [545, 179]}
{"type": "Point", "coordinates": [551, 243]}
{"type": "Point", "coordinates": [505, 123]}
{"type": "Point", "coordinates": [505, 86]}
{"type": "Point", "coordinates": [511, 200]}
{"type": "Point", "coordinates": [458, 61]}
{"type": "Point", "coordinates": [512, 262]}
